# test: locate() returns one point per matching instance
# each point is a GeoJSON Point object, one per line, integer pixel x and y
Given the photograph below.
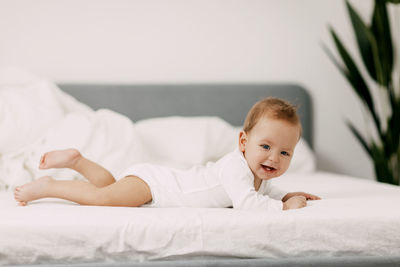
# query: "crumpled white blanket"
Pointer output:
{"type": "Point", "coordinates": [36, 116]}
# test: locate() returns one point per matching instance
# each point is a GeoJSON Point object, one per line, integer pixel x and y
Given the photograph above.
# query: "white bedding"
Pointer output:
{"type": "Point", "coordinates": [355, 218]}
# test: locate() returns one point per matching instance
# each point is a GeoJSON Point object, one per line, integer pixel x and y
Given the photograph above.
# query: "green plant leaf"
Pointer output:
{"type": "Point", "coordinates": [335, 61]}
{"type": "Point", "coordinates": [356, 80]}
{"type": "Point", "coordinates": [377, 53]}
{"type": "Point", "coordinates": [380, 28]}
{"type": "Point", "coordinates": [394, 129]}
{"type": "Point", "coordinates": [383, 172]}
{"type": "Point", "coordinates": [360, 138]}
{"type": "Point", "coordinates": [367, 45]}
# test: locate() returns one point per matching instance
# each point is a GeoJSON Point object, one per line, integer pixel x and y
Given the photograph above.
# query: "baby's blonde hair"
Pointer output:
{"type": "Point", "coordinates": [274, 108]}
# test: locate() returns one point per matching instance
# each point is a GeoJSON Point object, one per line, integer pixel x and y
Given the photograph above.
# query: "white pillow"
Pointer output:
{"type": "Point", "coordinates": [186, 141]}
{"type": "Point", "coordinates": [303, 160]}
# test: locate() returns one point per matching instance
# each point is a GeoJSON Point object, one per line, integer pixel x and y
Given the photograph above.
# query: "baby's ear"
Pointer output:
{"type": "Point", "coordinates": [242, 141]}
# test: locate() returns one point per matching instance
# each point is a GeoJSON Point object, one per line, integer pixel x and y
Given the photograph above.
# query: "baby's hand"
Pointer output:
{"type": "Point", "coordinates": [306, 195]}
{"type": "Point", "coordinates": [295, 202]}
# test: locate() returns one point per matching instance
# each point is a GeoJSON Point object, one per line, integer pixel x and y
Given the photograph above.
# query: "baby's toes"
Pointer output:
{"type": "Point", "coordinates": [16, 192]}
{"type": "Point", "coordinates": [22, 203]}
{"type": "Point", "coordinates": [42, 163]}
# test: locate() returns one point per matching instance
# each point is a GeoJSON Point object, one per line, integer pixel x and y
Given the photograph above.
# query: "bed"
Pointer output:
{"type": "Point", "coordinates": [356, 223]}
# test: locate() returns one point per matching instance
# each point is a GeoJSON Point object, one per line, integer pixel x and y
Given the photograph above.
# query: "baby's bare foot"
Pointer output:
{"type": "Point", "coordinates": [32, 191]}
{"type": "Point", "coordinates": [60, 159]}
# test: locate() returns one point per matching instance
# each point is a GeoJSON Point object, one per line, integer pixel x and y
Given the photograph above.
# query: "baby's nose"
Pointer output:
{"type": "Point", "coordinates": [274, 157]}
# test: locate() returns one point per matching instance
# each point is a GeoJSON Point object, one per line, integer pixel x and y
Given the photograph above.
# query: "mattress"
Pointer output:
{"type": "Point", "coordinates": [355, 217]}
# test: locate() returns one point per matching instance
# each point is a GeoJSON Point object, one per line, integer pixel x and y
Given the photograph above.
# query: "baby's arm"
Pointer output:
{"type": "Point", "coordinates": [236, 178]}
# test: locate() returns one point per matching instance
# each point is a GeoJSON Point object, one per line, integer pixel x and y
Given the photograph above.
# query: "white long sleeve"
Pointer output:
{"type": "Point", "coordinates": [273, 191]}
{"type": "Point", "coordinates": [238, 182]}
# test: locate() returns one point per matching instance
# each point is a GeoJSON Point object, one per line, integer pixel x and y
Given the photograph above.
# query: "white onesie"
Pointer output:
{"type": "Point", "coordinates": [225, 183]}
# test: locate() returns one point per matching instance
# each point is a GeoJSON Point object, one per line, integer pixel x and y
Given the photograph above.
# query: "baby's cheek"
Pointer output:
{"type": "Point", "coordinates": [285, 166]}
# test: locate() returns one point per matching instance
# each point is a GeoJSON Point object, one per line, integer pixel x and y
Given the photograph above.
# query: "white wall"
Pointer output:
{"type": "Point", "coordinates": [193, 41]}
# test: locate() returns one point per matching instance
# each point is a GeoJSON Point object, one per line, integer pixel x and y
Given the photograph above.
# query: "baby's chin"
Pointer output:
{"type": "Point", "coordinates": [263, 174]}
{"type": "Point", "coordinates": [267, 177]}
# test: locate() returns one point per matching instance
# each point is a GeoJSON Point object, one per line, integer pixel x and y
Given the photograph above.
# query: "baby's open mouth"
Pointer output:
{"type": "Point", "coordinates": [268, 168]}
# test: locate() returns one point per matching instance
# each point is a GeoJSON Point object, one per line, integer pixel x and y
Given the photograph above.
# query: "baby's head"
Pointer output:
{"type": "Point", "coordinates": [270, 133]}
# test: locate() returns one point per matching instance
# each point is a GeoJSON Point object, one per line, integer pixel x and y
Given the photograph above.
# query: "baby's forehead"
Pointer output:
{"type": "Point", "coordinates": [266, 118]}
{"type": "Point", "coordinates": [262, 132]}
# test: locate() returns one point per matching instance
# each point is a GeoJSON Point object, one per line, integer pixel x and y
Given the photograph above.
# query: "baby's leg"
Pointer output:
{"type": "Point", "coordinates": [130, 191]}
{"type": "Point", "coordinates": [72, 158]}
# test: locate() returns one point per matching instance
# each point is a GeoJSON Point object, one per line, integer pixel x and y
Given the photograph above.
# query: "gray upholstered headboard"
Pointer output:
{"type": "Point", "coordinates": [228, 101]}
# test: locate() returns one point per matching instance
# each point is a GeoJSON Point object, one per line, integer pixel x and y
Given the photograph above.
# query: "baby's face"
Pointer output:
{"type": "Point", "coordinates": [269, 147]}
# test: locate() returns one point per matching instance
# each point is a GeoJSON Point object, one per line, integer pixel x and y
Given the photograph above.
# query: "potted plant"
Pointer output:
{"type": "Point", "coordinates": [378, 54]}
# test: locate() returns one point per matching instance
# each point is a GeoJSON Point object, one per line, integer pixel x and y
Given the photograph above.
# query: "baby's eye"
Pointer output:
{"type": "Point", "coordinates": [267, 147]}
{"type": "Point", "coordinates": [285, 153]}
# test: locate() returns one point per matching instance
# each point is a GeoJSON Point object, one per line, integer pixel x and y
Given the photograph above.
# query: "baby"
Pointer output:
{"type": "Point", "coordinates": [240, 179]}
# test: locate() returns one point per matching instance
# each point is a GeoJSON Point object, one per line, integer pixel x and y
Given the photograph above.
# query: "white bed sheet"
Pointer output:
{"type": "Point", "coordinates": [356, 217]}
